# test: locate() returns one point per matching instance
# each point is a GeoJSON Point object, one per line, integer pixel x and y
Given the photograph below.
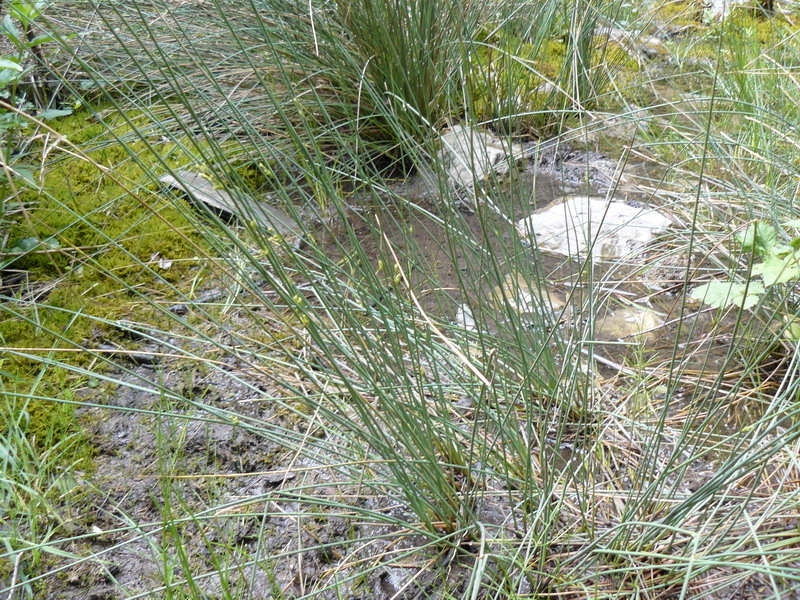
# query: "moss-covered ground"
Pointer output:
{"type": "Point", "coordinates": [114, 247]}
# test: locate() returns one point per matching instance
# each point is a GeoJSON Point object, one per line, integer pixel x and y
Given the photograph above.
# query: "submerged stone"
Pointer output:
{"type": "Point", "coordinates": [471, 156]}
{"type": "Point", "coordinates": [529, 301]}
{"type": "Point", "coordinates": [632, 323]}
{"type": "Point", "coordinates": [532, 303]}
{"type": "Point", "coordinates": [465, 319]}
{"type": "Point", "coordinates": [635, 42]}
{"type": "Point", "coordinates": [578, 225]}
{"type": "Point", "coordinates": [662, 272]}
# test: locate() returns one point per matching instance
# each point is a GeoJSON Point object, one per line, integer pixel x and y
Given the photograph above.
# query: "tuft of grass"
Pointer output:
{"type": "Point", "coordinates": [40, 457]}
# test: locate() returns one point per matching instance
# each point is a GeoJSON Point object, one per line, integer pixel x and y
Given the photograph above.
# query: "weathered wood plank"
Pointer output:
{"type": "Point", "coordinates": [268, 218]}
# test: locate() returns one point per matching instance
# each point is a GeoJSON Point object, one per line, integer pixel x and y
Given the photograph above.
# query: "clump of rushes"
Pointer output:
{"type": "Point", "coordinates": [411, 54]}
{"type": "Point", "coordinates": [373, 79]}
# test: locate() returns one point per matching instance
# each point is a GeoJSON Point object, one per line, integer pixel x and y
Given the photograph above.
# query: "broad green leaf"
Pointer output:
{"type": "Point", "coordinates": [777, 270]}
{"type": "Point", "coordinates": [40, 39]}
{"type": "Point", "coordinates": [8, 29]}
{"type": "Point", "coordinates": [25, 174]}
{"type": "Point", "coordinates": [720, 294]}
{"type": "Point", "coordinates": [54, 113]}
{"type": "Point", "coordinates": [29, 244]}
{"type": "Point", "coordinates": [795, 223]}
{"type": "Point", "coordinates": [25, 245]}
{"type": "Point", "coordinates": [792, 331]}
{"type": "Point", "coordinates": [759, 237]}
{"type": "Point", "coordinates": [10, 64]}
{"type": "Point", "coordinates": [781, 250]}
{"type": "Point", "coordinates": [8, 76]}
{"type": "Point", "coordinates": [747, 237]}
{"type": "Point", "coordinates": [26, 11]}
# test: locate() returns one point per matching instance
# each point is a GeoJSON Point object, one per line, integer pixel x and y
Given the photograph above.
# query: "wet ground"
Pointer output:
{"type": "Point", "coordinates": [468, 267]}
{"type": "Point", "coordinates": [166, 459]}
{"type": "Point", "coordinates": [472, 257]}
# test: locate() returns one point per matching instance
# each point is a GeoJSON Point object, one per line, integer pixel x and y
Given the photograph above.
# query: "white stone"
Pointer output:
{"type": "Point", "coordinates": [465, 319]}
{"type": "Point", "coordinates": [471, 155]}
{"type": "Point", "coordinates": [577, 224]}
{"type": "Point", "coordinates": [719, 9]}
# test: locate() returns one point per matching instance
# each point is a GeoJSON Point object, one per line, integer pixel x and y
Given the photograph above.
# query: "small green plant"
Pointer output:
{"type": "Point", "coordinates": [21, 96]}
{"type": "Point", "coordinates": [778, 263]}
{"type": "Point", "coordinates": [20, 91]}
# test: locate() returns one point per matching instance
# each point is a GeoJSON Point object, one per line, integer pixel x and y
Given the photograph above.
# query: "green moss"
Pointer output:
{"type": "Point", "coordinates": [616, 57]}
{"type": "Point", "coordinates": [258, 178]}
{"type": "Point", "coordinates": [742, 33]}
{"type": "Point", "coordinates": [113, 236]}
{"type": "Point", "coordinates": [679, 14]}
{"type": "Point", "coordinates": [519, 85]}
{"type": "Point", "coordinates": [751, 25]}
{"type": "Point", "coordinates": [512, 77]}
{"type": "Point", "coordinates": [552, 59]}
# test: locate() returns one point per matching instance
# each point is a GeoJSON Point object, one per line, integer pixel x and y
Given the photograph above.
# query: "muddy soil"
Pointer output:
{"type": "Point", "coordinates": [181, 485]}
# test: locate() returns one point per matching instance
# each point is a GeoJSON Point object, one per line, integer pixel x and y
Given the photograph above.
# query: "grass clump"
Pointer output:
{"type": "Point", "coordinates": [412, 55]}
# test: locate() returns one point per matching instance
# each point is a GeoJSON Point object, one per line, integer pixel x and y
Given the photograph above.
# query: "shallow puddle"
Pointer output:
{"type": "Point", "coordinates": [471, 268]}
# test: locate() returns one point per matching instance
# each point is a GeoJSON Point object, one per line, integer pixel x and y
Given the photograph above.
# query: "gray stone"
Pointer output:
{"type": "Point", "coordinates": [246, 209]}
{"type": "Point", "coordinates": [471, 155]}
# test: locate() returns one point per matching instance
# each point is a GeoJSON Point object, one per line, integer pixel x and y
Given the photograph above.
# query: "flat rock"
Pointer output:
{"type": "Point", "coordinates": [533, 303]}
{"type": "Point", "coordinates": [471, 155]}
{"type": "Point", "coordinates": [576, 225]}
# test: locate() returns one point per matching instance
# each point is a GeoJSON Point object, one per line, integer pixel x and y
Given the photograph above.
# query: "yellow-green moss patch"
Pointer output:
{"type": "Point", "coordinates": [118, 247]}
